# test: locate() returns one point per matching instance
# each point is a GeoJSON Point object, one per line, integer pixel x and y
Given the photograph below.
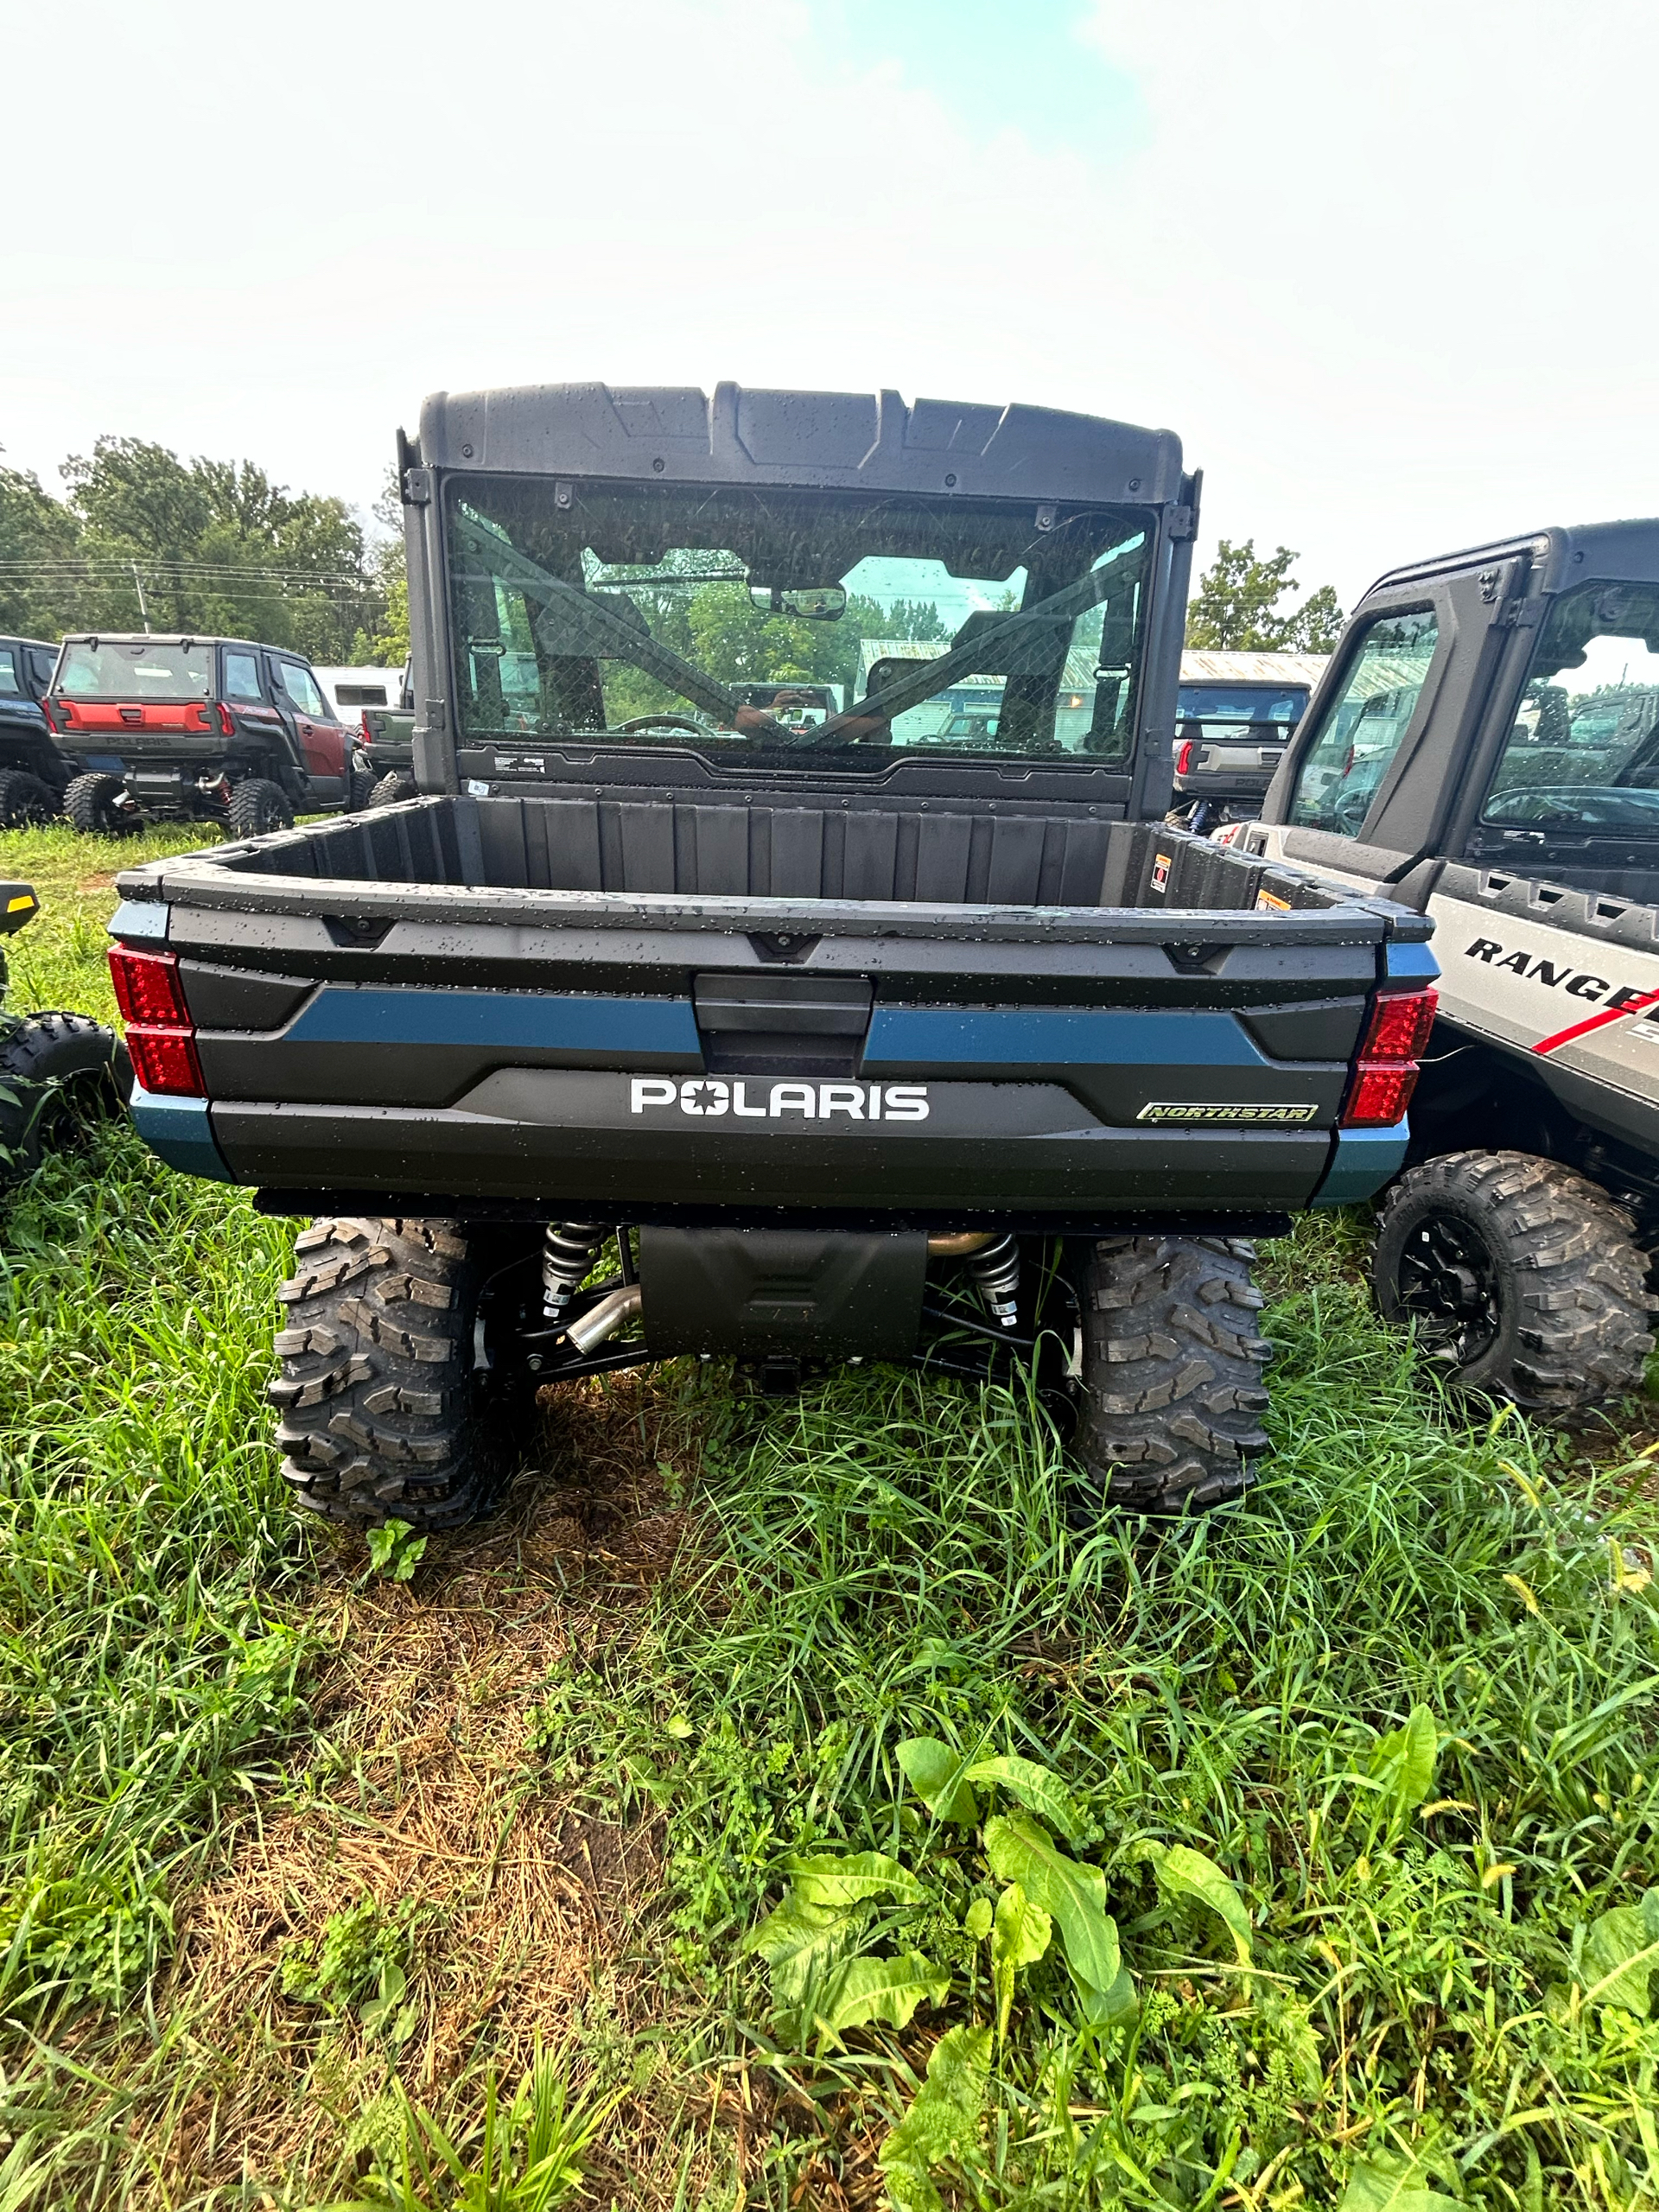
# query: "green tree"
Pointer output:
{"type": "Point", "coordinates": [718, 626]}
{"type": "Point", "coordinates": [202, 545]}
{"type": "Point", "coordinates": [133, 497]}
{"type": "Point", "coordinates": [38, 540]}
{"type": "Point", "coordinates": [385, 645]}
{"type": "Point", "coordinates": [1237, 607]}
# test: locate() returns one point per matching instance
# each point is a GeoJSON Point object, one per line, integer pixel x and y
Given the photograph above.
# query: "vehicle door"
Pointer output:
{"type": "Point", "coordinates": [21, 716]}
{"type": "Point", "coordinates": [38, 664]}
{"type": "Point", "coordinates": [1545, 906]}
{"type": "Point", "coordinates": [319, 738]}
{"type": "Point", "coordinates": [1371, 775]}
{"type": "Point", "coordinates": [246, 699]}
{"type": "Point", "coordinates": [15, 694]}
{"type": "Point", "coordinates": [34, 666]}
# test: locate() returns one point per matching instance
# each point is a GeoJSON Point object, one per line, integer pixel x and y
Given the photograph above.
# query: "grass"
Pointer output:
{"type": "Point", "coordinates": [301, 1870]}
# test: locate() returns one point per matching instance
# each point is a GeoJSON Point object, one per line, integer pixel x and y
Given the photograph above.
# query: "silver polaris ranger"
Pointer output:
{"type": "Point", "coordinates": [1485, 750]}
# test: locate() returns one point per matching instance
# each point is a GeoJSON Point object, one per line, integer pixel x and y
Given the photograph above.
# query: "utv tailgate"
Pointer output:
{"type": "Point", "coordinates": [414, 1005]}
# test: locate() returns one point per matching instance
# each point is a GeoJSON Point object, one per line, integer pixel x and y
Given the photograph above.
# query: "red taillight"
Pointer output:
{"type": "Point", "coordinates": [1378, 1097]}
{"type": "Point", "coordinates": [227, 721]}
{"type": "Point", "coordinates": [1401, 1021]}
{"type": "Point", "coordinates": [165, 1060]}
{"type": "Point", "coordinates": [1184, 758]}
{"type": "Point", "coordinates": [147, 987]}
{"type": "Point", "coordinates": [1385, 1074]}
{"type": "Point", "coordinates": [160, 1034]}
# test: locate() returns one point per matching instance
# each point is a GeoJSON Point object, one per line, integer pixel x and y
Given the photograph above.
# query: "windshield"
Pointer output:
{"type": "Point", "coordinates": [1583, 754]}
{"type": "Point", "coordinates": [106, 669]}
{"type": "Point", "coordinates": [1220, 702]}
{"type": "Point", "coordinates": [749, 624]}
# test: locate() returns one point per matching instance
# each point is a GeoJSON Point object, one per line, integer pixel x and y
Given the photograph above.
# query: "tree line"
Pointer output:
{"type": "Point", "coordinates": [144, 539]}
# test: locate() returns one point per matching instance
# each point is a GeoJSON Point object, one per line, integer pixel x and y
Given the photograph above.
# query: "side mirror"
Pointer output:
{"type": "Point", "coordinates": [813, 603]}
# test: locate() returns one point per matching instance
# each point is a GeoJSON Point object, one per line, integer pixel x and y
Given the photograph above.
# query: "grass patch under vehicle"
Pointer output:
{"type": "Point", "coordinates": [298, 1859]}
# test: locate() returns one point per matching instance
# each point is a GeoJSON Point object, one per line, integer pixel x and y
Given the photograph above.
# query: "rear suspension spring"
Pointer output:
{"type": "Point", "coordinates": [996, 1270]}
{"type": "Point", "coordinates": [568, 1255]}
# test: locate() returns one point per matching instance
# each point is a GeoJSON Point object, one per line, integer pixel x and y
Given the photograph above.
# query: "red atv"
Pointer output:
{"type": "Point", "coordinates": [212, 729]}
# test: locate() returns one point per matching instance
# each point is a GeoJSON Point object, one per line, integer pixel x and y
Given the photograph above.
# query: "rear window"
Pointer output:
{"type": "Point", "coordinates": [640, 613]}
{"type": "Point", "coordinates": [9, 687]}
{"type": "Point", "coordinates": [360, 695]}
{"type": "Point", "coordinates": [1223, 702]}
{"type": "Point", "coordinates": [242, 679]}
{"type": "Point", "coordinates": [108, 668]}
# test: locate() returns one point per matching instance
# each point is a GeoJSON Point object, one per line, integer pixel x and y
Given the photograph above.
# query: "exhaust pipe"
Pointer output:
{"type": "Point", "coordinates": [604, 1320]}
{"type": "Point", "coordinates": [996, 1281]}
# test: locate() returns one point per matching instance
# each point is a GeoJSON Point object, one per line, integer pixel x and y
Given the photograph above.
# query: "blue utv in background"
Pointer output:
{"type": "Point", "coordinates": [33, 774]}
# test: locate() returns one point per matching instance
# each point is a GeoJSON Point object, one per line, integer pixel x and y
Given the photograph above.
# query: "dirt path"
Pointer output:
{"type": "Point", "coordinates": [520, 1916]}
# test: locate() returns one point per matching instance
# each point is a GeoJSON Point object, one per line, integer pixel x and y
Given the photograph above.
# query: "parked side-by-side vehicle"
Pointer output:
{"type": "Point", "coordinates": [1484, 751]}
{"type": "Point", "coordinates": [33, 772]}
{"type": "Point", "coordinates": [664, 1023]}
{"type": "Point", "coordinates": [389, 740]}
{"type": "Point", "coordinates": [187, 729]}
{"type": "Point", "coordinates": [55, 1069]}
{"type": "Point", "coordinates": [1235, 713]}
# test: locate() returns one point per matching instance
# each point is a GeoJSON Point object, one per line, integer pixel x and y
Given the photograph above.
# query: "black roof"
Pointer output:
{"type": "Point", "coordinates": [172, 638]}
{"type": "Point", "coordinates": [677, 434]}
{"type": "Point", "coordinates": [39, 644]}
{"type": "Point", "coordinates": [1627, 552]}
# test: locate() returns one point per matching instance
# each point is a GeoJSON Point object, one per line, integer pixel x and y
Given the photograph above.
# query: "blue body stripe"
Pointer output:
{"type": "Point", "coordinates": [913, 1036]}
{"type": "Point", "coordinates": [1410, 961]}
{"type": "Point", "coordinates": [346, 1014]}
{"type": "Point", "coordinates": [1362, 1163]}
{"type": "Point", "coordinates": [142, 921]}
{"type": "Point", "coordinates": [178, 1131]}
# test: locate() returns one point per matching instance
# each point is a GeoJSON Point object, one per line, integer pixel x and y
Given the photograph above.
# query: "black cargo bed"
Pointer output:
{"type": "Point", "coordinates": [753, 1013]}
{"type": "Point", "coordinates": [1021, 871]}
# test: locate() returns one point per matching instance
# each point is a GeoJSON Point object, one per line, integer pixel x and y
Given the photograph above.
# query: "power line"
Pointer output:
{"type": "Point", "coordinates": [99, 566]}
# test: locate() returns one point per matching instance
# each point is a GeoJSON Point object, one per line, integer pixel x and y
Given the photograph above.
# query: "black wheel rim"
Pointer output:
{"type": "Point", "coordinates": [1448, 1283]}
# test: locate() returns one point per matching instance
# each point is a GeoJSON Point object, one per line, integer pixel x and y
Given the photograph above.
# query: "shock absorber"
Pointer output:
{"type": "Point", "coordinates": [568, 1252]}
{"type": "Point", "coordinates": [996, 1270]}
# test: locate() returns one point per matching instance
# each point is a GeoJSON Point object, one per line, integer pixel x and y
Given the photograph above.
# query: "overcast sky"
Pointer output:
{"type": "Point", "coordinates": [1392, 274]}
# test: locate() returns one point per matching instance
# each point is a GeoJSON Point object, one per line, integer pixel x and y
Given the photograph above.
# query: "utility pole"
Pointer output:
{"type": "Point", "coordinates": [143, 610]}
